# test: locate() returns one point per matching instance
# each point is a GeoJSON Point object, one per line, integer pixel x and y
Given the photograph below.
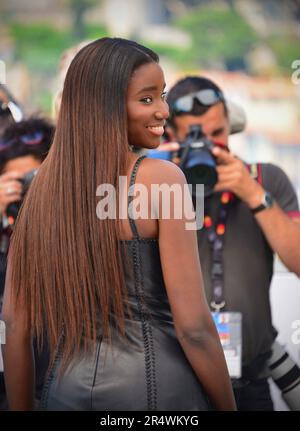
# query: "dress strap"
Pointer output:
{"type": "Point", "coordinates": [130, 197]}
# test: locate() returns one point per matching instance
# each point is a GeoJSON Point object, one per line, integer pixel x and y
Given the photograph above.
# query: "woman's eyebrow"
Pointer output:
{"type": "Point", "coordinates": [150, 88]}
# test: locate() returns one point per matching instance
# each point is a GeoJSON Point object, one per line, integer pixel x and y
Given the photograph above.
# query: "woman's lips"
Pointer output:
{"type": "Point", "coordinates": [156, 130]}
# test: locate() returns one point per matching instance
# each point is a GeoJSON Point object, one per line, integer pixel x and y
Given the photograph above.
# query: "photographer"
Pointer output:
{"type": "Point", "coordinates": [248, 218]}
{"type": "Point", "coordinates": [23, 147]}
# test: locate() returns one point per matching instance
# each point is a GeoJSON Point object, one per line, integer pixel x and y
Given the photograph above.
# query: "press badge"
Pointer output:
{"type": "Point", "coordinates": [229, 327]}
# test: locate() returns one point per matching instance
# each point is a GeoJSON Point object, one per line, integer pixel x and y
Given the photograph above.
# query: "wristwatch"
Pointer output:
{"type": "Point", "coordinates": [267, 202]}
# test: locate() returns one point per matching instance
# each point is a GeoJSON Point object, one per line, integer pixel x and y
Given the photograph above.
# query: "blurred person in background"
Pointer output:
{"type": "Point", "coordinates": [23, 147]}
{"type": "Point", "coordinates": [250, 214]}
{"type": "Point", "coordinates": [64, 63]}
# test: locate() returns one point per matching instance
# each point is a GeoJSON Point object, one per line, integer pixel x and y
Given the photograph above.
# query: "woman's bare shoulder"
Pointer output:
{"type": "Point", "coordinates": [162, 171]}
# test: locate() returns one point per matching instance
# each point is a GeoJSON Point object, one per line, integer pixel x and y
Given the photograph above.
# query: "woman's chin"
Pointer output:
{"type": "Point", "coordinates": [154, 144]}
{"type": "Point", "coordinates": [149, 145]}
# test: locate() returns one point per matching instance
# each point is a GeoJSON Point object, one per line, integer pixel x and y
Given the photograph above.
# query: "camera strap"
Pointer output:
{"type": "Point", "coordinates": [228, 323]}
{"type": "Point", "coordinates": [215, 235]}
{"type": "Point", "coordinates": [255, 172]}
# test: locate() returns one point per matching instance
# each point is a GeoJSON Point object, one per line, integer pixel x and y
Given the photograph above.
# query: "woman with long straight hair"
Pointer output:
{"type": "Point", "coordinates": [119, 300]}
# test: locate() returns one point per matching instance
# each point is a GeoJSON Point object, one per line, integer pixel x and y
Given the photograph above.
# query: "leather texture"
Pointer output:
{"type": "Point", "coordinates": [148, 371]}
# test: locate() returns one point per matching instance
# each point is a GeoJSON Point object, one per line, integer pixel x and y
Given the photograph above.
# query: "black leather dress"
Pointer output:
{"type": "Point", "coordinates": [149, 371]}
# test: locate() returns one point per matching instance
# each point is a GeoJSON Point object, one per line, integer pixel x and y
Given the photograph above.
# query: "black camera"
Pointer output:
{"type": "Point", "coordinates": [13, 208]}
{"type": "Point", "coordinates": [197, 161]}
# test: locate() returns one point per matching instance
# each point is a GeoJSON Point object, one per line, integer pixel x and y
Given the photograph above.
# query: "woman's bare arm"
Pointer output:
{"type": "Point", "coordinates": [17, 354]}
{"type": "Point", "coordinates": [194, 325]}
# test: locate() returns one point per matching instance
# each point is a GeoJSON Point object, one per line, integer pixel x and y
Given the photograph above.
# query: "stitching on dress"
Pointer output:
{"type": "Point", "coordinates": [96, 369]}
{"type": "Point", "coordinates": [150, 369]}
{"type": "Point", "coordinates": [48, 381]}
{"type": "Point", "coordinates": [149, 354]}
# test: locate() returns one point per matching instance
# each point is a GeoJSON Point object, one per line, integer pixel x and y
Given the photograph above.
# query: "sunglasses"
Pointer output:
{"type": "Point", "coordinates": [12, 109]}
{"type": "Point", "coordinates": [205, 97]}
{"type": "Point", "coordinates": [32, 139]}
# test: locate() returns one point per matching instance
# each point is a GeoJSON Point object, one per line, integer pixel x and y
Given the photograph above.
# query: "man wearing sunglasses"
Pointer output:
{"type": "Point", "coordinates": [248, 218]}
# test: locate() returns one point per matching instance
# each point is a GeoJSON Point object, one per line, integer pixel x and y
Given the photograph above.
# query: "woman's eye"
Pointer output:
{"type": "Point", "coordinates": [163, 95]}
{"type": "Point", "coordinates": [146, 100]}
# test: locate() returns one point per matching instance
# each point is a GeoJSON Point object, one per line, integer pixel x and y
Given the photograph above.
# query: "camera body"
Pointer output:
{"type": "Point", "coordinates": [13, 208]}
{"type": "Point", "coordinates": [196, 159]}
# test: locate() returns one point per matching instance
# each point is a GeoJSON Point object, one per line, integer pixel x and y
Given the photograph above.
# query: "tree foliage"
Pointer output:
{"type": "Point", "coordinates": [217, 33]}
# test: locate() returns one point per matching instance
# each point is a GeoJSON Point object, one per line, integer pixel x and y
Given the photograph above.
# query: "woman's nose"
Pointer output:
{"type": "Point", "coordinates": [162, 113]}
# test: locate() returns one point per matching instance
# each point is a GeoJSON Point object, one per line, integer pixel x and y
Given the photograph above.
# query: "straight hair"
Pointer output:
{"type": "Point", "coordinates": [66, 263]}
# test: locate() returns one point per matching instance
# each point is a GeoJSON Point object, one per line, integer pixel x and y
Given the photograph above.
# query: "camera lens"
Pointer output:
{"type": "Point", "coordinates": [286, 375]}
{"type": "Point", "coordinates": [202, 174]}
{"type": "Point", "coordinates": [199, 165]}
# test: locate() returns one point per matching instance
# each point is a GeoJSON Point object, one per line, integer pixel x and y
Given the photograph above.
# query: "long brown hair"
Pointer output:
{"type": "Point", "coordinates": [65, 263]}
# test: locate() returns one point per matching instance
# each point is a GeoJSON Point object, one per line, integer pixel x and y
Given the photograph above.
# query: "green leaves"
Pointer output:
{"type": "Point", "coordinates": [218, 34]}
{"type": "Point", "coordinates": [39, 46]}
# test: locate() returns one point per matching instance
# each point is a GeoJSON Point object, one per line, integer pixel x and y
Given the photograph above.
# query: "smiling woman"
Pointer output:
{"type": "Point", "coordinates": [146, 106]}
{"type": "Point", "coordinates": [121, 302]}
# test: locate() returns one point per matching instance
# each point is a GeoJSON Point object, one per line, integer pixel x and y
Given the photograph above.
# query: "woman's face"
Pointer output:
{"type": "Point", "coordinates": [147, 109]}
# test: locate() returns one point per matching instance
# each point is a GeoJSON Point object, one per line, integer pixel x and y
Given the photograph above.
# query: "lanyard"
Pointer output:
{"type": "Point", "coordinates": [215, 235]}
{"type": "Point", "coordinates": [216, 239]}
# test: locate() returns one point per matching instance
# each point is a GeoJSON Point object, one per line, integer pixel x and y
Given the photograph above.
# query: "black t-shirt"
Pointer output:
{"type": "Point", "coordinates": [248, 263]}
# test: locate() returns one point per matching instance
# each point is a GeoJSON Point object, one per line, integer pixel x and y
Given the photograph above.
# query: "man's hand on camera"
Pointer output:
{"type": "Point", "coordinates": [168, 146]}
{"type": "Point", "coordinates": [172, 147]}
{"type": "Point", "coordinates": [10, 189]}
{"type": "Point", "coordinates": [234, 176]}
